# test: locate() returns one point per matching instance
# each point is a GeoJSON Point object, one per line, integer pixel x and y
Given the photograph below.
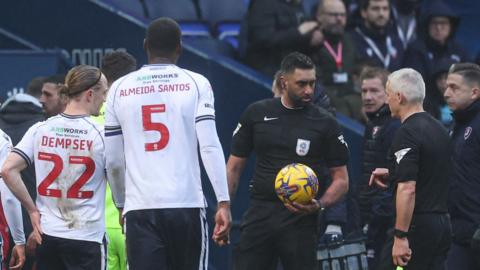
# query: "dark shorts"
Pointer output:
{"type": "Point", "coordinates": [430, 236]}
{"type": "Point", "coordinates": [270, 234]}
{"type": "Point", "coordinates": [66, 254]}
{"type": "Point", "coordinates": [167, 239]}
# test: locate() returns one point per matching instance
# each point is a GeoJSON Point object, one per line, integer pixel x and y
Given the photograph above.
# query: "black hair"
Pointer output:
{"type": "Point", "coordinates": [365, 3]}
{"type": "Point", "coordinates": [117, 64]}
{"type": "Point", "coordinates": [55, 79]}
{"type": "Point", "coordinates": [34, 87]}
{"type": "Point", "coordinates": [469, 71]}
{"type": "Point", "coordinates": [163, 37]}
{"type": "Point", "coordinates": [296, 60]}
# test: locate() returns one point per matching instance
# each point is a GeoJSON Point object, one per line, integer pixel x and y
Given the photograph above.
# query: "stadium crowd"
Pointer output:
{"type": "Point", "coordinates": [387, 63]}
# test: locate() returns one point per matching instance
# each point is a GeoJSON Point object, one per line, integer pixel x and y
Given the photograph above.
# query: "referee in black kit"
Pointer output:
{"type": "Point", "coordinates": [281, 131]}
{"type": "Point", "coordinates": [419, 167]}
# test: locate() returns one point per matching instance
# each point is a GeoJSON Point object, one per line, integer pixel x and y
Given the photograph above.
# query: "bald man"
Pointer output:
{"type": "Point", "coordinates": [335, 58]}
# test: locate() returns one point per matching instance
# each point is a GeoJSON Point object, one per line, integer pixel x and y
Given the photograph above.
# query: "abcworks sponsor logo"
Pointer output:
{"type": "Point", "coordinates": [63, 130]}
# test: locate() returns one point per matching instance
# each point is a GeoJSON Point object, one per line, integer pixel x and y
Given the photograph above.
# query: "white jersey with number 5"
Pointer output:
{"type": "Point", "coordinates": [155, 109]}
{"type": "Point", "coordinates": [69, 157]}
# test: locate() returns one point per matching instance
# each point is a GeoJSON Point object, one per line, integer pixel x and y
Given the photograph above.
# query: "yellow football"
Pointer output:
{"type": "Point", "coordinates": [296, 183]}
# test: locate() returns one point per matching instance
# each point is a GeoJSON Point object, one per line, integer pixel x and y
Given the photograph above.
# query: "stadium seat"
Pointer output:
{"type": "Point", "coordinates": [132, 8]}
{"type": "Point", "coordinates": [194, 29]}
{"type": "Point", "coordinates": [180, 10]}
{"type": "Point", "coordinates": [228, 32]}
{"type": "Point", "coordinates": [310, 7]}
{"type": "Point", "coordinates": [215, 11]}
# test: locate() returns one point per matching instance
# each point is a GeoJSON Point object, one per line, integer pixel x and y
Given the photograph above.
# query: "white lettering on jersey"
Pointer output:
{"type": "Point", "coordinates": [401, 153]}
{"type": "Point", "coordinates": [302, 147]}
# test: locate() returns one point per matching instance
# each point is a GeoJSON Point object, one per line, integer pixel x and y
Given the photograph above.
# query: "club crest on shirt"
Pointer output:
{"type": "Point", "coordinates": [468, 132]}
{"type": "Point", "coordinates": [375, 131]}
{"type": "Point", "coordinates": [302, 147]}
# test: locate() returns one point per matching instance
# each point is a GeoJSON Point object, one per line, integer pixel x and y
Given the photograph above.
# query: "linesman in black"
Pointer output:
{"type": "Point", "coordinates": [281, 131]}
{"type": "Point", "coordinates": [419, 168]}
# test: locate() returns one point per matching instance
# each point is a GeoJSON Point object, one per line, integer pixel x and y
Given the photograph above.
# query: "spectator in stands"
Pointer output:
{"type": "Point", "coordinates": [17, 115]}
{"type": "Point", "coordinates": [335, 58]}
{"type": "Point", "coordinates": [405, 15]}
{"type": "Point", "coordinates": [434, 102]}
{"type": "Point", "coordinates": [276, 28]}
{"type": "Point", "coordinates": [376, 208]}
{"type": "Point", "coordinates": [52, 99]}
{"type": "Point", "coordinates": [374, 39]}
{"type": "Point", "coordinates": [462, 95]}
{"type": "Point", "coordinates": [439, 26]}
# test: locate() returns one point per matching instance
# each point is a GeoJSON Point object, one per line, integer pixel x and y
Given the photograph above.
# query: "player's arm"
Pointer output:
{"type": "Point", "coordinates": [235, 166]}
{"type": "Point", "coordinates": [338, 188]}
{"type": "Point", "coordinates": [115, 165]}
{"type": "Point", "coordinates": [214, 163]}
{"type": "Point", "coordinates": [13, 215]}
{"type": "Point", "coordinates": [114, 150]}
{"type": "Point", "coordinates": [11, 175]}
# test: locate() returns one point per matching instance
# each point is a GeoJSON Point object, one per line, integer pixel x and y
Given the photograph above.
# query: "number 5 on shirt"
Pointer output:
{"type": "Point", "coordinates": [148, 125]}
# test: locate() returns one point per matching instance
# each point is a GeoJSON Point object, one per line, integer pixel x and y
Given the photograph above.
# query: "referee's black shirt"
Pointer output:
{"type": "Point", "coordinates": [279, 136]}
{"type": "Point", "coordinates": [421, 152]}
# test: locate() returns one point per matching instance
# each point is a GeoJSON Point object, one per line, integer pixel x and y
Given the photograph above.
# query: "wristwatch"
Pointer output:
{"type": "Point", "coordinates": [321, 207]}
{"type": "Point", "coordinates": [399, 233]}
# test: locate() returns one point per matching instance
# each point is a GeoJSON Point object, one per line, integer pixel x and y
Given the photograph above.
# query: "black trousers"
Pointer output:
{"type": "Point", "coordinates": [430, 236]}
{"type": "Point", "coordinates": [269, 233]}
{"type": "Point", "coordinates": [462, 257]}
{"type": "Point", "coordinates": [167, 239]}
{"type": "Point", "coordinates": [66, 254]}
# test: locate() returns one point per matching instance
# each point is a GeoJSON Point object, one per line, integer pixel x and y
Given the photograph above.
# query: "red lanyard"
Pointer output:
{"type": "Point", "coordinates": [336, 56]}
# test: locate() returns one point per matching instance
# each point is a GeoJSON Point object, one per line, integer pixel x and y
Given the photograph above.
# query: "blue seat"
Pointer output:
{"type": "Point", "coordinates": [215, 11]}
{"type": "Point", "coordinates": [194, 29]}
{"type": "Point", "coordinates": [132, 8]}
{"type": "Point", "coordinates": [179, 10]}
{"type": "Point", "coordinates": [228, 32]}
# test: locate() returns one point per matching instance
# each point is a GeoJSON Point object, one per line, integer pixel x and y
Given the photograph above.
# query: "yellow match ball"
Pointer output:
{"type": "Point", "coordinates": [296, 183]}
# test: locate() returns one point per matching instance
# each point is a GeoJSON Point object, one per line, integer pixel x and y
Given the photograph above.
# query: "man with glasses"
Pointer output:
{"type": "Point", "coordinates": [439, 26]}
{"type": "Point", "coordinates": [335, 58]}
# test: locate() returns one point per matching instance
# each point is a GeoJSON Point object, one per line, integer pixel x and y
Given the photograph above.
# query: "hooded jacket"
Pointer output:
{"type": "Point", "coordinates": [425, 53]}
{"type": "Point", "coordinates": [17, 115]}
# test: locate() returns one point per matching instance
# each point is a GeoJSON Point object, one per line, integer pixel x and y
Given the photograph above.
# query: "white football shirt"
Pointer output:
{"type": "Point", "coordinates": [10, 204]}
{"type": "Point", "coordinates": [69, 157]}
{"type": "Point", "coordinates": [155, 109]}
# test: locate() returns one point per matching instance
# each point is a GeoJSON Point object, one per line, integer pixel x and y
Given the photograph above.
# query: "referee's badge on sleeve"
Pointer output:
{"type": "Point", "coordinates": [302, 147]}
{"type": "Point", "coordinates": [237, 129]}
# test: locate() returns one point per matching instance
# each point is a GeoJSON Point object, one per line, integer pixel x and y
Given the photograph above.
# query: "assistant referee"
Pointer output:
{"type": "Point", "coordinates": [419, 168]}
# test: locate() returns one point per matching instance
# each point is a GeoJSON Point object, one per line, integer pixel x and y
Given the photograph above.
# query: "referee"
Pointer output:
{"type": "Point", "coordinates": [281, 131]}
{"type": "Point", "coordinates": [419, 169]}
